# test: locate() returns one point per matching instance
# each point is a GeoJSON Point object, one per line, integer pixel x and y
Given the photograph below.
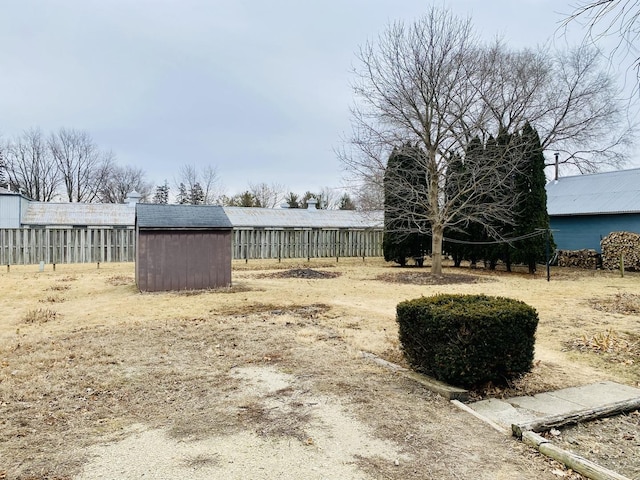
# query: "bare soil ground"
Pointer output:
{"type": "Point", "coordinates": [265, 379]}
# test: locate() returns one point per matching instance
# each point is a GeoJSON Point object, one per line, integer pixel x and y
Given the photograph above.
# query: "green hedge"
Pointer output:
{"type": "Point", "coordinates": [468, 340]}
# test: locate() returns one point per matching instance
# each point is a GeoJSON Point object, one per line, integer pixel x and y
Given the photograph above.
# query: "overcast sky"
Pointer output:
{"type": "Point", "coordinates": [260, 89]}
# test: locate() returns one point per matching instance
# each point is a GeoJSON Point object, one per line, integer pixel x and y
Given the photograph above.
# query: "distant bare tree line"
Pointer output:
{"type": "Point", "coordinates": [203, 186]}
{"type": "Point", "coordinates": [66, 165]}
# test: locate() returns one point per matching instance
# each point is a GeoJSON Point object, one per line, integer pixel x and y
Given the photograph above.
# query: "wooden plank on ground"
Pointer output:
{"type": "Point", "coordinates": [575, 462]}
{"type": "Point", "coordinates": [555, 421]}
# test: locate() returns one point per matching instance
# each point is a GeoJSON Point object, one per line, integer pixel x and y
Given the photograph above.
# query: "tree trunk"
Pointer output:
{"type": "Point", "coordinates": [436, 249]}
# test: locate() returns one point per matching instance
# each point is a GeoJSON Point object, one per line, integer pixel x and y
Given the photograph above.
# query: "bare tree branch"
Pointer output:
{"type": "Point", "coordinates": [617, 19]}
{"type": "Point", "coordinates": [268, 196]}
{"type": "Point", "coordinates": [124, 180]}
{"type": "Point", "coordinates": [205, 179]}
{"type": "Point", "coordinates": [30, 166]}
{"type": "Point", "coordinates": [83, 167]}
{"type": "Point", "coordinates": [415, 87]}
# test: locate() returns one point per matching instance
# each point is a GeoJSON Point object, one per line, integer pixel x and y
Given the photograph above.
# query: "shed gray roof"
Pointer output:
{"type": "Point", "coordinates": [98, 214]}
{"type": "Point", "coordinates": [149, 215]}
{"type": "Point", "coordinates": [596, 194]}
{"type": "Point", "coordinates": [246, 217]}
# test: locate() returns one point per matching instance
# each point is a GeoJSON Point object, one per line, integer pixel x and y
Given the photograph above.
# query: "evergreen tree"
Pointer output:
{"type": "Point", "coordinates": [183, 197]}
{"type": "Point", "coordinates": [346, 203]}
{"type": "Point", "coordinates": [456, 235]}
{"type": "Point", "coordinates": [506, 148]}
{"type": "Point", "coordinates": [531, 214]}
{"type": "Point", "coordinates": [292, 200]}
{"type": "Point", "coordinates": [475, 154]}
{"type": "Point", "coordinates": [404, 217]}
{"type": "Point", "coordinates": [162, 194]}
{"type": "Point", "coordinates": [308, 196]}
{"type": "Point", "coordinates": [245, 199]}
{"type": "Point", "coordinates": [196, 195]}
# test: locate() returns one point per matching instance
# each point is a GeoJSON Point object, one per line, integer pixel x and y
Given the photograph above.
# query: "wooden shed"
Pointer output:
{"type": "Point", "coordinates": [182, 247]}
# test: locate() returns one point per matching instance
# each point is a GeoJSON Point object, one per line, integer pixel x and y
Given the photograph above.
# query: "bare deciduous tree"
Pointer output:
{"type": "Point", "coordinates": [268, 195]}
{"type": "Point", "coordinates": [415, 87]}
{"type": "Point", "coordinates": [329, 198]}
{"type": "Point", "coordinates": [617, 19]}
{"type": "Point", "coordinates": [574, 105]}
{"type": "Point", "coordinates": [369, 191]}
{"type": "Point", "coordinates": [432, 85]}
{"type": "Point", "coordinates": [124, 180]}
{"type": "Point", "coordinates": [4, 178]}
{"type": "Point", "coordinates": [30, 167]}
{"type": "Point", "coordinates": [83, 168]}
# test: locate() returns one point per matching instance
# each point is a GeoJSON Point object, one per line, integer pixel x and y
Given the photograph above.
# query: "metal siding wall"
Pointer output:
{"type": "Point", "coordinates": [9, 211]}
{"type": "Point", "coordinates": [586, 231]}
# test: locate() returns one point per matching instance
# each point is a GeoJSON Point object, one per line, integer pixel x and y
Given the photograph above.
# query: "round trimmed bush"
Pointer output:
{"type": "Point", "coordinates": [468, 340]}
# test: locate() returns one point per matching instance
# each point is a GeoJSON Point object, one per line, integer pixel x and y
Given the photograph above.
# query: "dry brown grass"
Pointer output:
{"type": "Point", "coordinates": [40, 315]}
{"type": "Point", "coordinates": [110, 357]}
{"type": "Point", "coordinates": [625, 303]}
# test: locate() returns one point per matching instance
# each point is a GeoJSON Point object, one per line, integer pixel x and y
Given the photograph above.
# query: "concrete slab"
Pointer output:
{"type": "Point", "coordinates": [501, 412]}
{"type": "Point", "coordinates": [568, 401]}
{"type": "Point", "coordinates": [597, 394]}
{"type": "Point", "coordinates": [545, 403]}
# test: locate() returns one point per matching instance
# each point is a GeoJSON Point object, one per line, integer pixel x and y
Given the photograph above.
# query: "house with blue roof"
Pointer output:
{"type": "Point", "coordinates": [583, 209]}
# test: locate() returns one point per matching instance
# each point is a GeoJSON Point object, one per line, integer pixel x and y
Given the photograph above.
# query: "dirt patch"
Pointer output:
{"type": "Point", "coordinates": [307, 273]}
{"type": "Point", "coordinates": [304, 311]}
{"type": "Point", "coordinates": [426, 278]}
{"type": "Point", "coordinates": [235, 288]}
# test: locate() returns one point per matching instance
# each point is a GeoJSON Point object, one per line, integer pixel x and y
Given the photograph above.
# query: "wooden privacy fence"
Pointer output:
{"type": "Point", "coordinates": [306, 243]}
{"type": "Point", "coordinates": [88, 245]}
{"type": "Point", "coordinates": [66, 245]}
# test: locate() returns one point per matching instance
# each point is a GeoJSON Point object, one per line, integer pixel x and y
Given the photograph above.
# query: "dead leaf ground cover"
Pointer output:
{"type": "Point", "coordinates": [88, 360]}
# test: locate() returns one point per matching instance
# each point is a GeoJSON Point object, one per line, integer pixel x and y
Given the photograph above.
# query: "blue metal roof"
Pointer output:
{"type": "Point", "coordinates": [150, 215]}
{"type": "Point", "coordinates": [595, 194]}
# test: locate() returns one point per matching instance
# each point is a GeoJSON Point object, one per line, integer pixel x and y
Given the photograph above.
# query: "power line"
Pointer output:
{"type": "Point", "coordinates": [497, 242]}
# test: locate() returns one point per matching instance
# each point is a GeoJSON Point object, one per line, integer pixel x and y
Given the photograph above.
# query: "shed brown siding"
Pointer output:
{"type": "Point", "coordinates": [183, 259]}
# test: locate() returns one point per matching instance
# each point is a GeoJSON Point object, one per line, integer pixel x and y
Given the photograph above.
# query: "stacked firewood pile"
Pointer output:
{"type": "Point", "coordinates": [617, 245]}
{"type": "Point", "coordinates": [586, 258]}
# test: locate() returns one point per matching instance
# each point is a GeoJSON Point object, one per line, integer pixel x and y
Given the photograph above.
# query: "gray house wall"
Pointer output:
{"type": "Point", "coordinates": [12, 207]}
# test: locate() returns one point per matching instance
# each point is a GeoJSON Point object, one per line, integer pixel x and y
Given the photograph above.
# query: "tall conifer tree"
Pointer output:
{"type": "Point", "coordinates": [404, 221]}
{"type": "Point", "coordinates": [531, 214]}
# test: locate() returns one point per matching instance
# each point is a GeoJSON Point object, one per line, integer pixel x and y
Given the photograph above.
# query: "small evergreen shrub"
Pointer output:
{"type": "Point", "coordinates": [468, 340]}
